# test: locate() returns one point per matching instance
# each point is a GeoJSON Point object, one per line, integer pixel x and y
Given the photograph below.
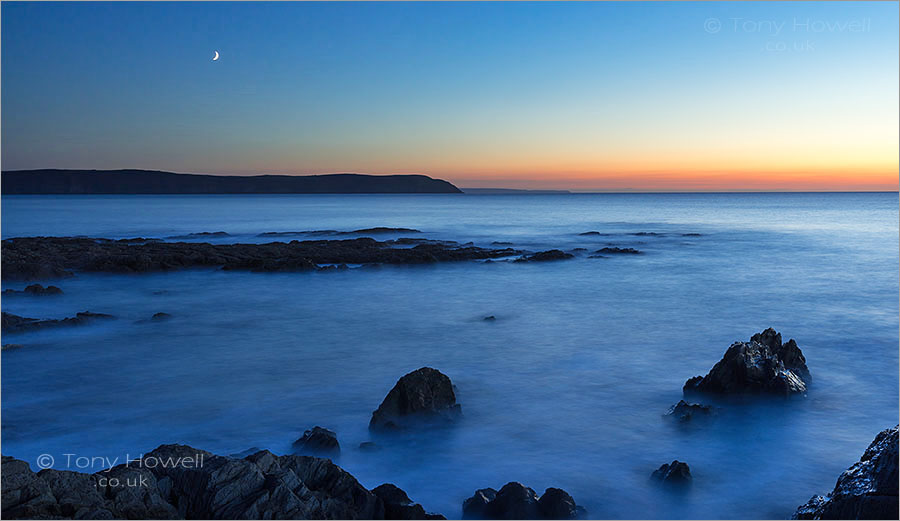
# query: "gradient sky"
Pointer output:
{"type": "Point", "coordinates": [588, 96]}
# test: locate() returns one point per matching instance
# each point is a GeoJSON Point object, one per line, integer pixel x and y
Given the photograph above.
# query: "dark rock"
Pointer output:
{"type": "Point", "coordinates": [675, 473]}
{"type": "Point", "coordinates": [36, 257]}
{"type": "Point", "coordinates": [867, 490]}
{"type": "Point", "coordinates": [764, 365]}
{"type": "Point", "coordinates": [591, 233]}
{"type": "Point", "coordinates": [36, 290]}
{"type": "Point", "coordinates": [647, 234]}
{"type": "Point", "coordinates": [16, 324]}
{"type": "Point", "coordinates": [201, 235]}
{"type": "Point", "coordinates": [11, 346]}
{"type": "Point", "coordinates": [159, 317]}
{"type": "Point", "coordinates": [425, 394]}
{"type": "Point", "coordinates": [543, 256]}
{"type": "Point", "coordinates": [490, 318]}
{"type": "Point", "coordinates": [318, 441]}
{"type": "Point", "coordinates": [579, 249]}
{"type": "Point", "coordinates": [619, 251]}
{"type": "Point", "coordinates": [369, 446]}
{"type": "Point", "coordinates": [691, 234]}
{"type": "Point", "coordinates": [516, 501]}
{"type": "Point", "coordinates": [397, 504]}
{"type": "Point", "coordinates": [685, 412]}
{"type": "Point", "coordinates": [501, 243]}
{"type": "Point", "coordinates": [180, 482]}
{"type": "Point", "coordinates": [382, 229]}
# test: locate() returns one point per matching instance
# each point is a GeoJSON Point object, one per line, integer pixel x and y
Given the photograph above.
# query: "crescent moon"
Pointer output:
{"type": "Point", "coordinates": [216, 57]}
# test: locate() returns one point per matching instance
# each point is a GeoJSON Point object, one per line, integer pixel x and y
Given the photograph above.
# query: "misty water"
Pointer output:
{"type": "Point", "coordinates": [566, 388]}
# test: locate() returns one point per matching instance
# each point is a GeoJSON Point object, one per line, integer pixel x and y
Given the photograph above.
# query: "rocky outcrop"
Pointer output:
{"type": "Point", "coordinates": [397, 504]}
{"type": "Point", "coordinates": [36, 257]}
{"type": "Point", "coordinates": [422, 396]}
{"type": "Point", "coordinates": [516, 501]}
{"type": "Point", "coordinates": [867, 490]}
{"type": "Point", "coordinates": [318, 441]}
{"type": "Point", "coordinates": [764, 365]}
{"type": "Point", "coordinates": [684, 412]}
{"type": "Point", "coordinates": [180, 482]}
{"type": "Point", "coordinates": [615, 250]}
{"type": "Point", "coordinates": [34, 290]}
{"type": "Point", "coordinates": [16, 324]}
{"type": "Point", "coordinates": [676, 473]}
{"type": "Point", "coordinates": [543, 256]}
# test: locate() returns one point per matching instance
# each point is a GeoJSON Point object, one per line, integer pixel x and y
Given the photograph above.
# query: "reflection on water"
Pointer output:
{"type": "Point", "coordinates": [566, 388]}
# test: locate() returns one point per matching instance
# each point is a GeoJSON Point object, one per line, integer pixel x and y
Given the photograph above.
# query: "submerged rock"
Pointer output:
{"type": "Point", "coordinates": [319, 441]}
{"type": "Point", "coordinates": [425, 394]}
{"type": "Point", "coordinates": [516, 501]}
{"type": "Point", "coordinates": [397, 504]}
{"type": "Point", "coordinates": [675, 473]}
{"type": "Point", "coordinates": [11, 346]}
{"type": "Point", "coordinates": [867, 490]}
{"type": "Point", "coordinates": [159, 317]}
{"type": "Point", "coordinates": [614, 250]}
{"type": "Point", "coordinates": [685, 412]}
{"type": "Point", "coordinates": [180, 482]}
{"type": "Point", "coordinates": [490, 318]}
{"type": "Point", "coordinates": [764, 365]}
{"type": "Point", "coordinates": [543, 256]}
{"type": "Point", "coordinates": [369, 446]}
{"type": "Point", "coordinates": [35, 290]}
{"type": "Point", "coordinates": [382, 229]}
{"type": "Point", "coordinates": [16, 324]}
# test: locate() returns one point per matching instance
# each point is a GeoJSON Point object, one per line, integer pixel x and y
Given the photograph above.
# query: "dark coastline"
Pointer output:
{"type": "Point", "coordinates": [84, 182]}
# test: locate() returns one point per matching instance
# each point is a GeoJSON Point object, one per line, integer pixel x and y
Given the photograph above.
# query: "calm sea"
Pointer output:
{"type": "Point", "coordinates": [566, 388]}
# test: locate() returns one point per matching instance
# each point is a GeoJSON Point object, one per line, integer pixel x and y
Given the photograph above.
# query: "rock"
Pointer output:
{"type": "Point", "coordinates": [867, 490]}
{"type": "Point", "coordinates": [764, 365]}
{"type": "Point", "coordinates": [684, 411]}
{"type": "Point", "coordinates": [28, 258]}
{"type": "Point", "coordinates": [11, 346]}
{"type": "Point", "coordinates": [425, 394]}
{"type": "Point", "coordinates": [369, 446]}
{"type": "Point", "coordinates": [397, 504]}
{"type": "Point", "coordinates": [675, 473]}
{"type": "Point", "coordinates": [691, 234]}
{"type": "Point", "coordinates": [16, 324]}
{"type": "Point", "coordinates": [490, 318]}
{"type": "Point", "coordinates": [516, 501]}
{"type": "Point", "coordinates": [382, 229]}
{"type": "Point", "coordinates": [318, 441]}
{"type": "Point", "coordinates": [159, 317]}
{"type": "Point", "coordinates": [619, 251]}
{"type": "Point", "coordinates": [180, 482]}
{"type": "Point", "coordinates": [543, 256]}
{"type": "Point", "coordinates": [36, 290]}
{"type": "Point", "coordinates": [591, 233]}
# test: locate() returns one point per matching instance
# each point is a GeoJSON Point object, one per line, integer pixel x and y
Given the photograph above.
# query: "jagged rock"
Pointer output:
{"type": "Point", "coordinates": [397, 504]}
{"type": "Point", "coordinates": [764, 365]}
{"type": "Point", "coordinates": [675, 473]}
{"type": "Point", "coordinates": [542, 256]}
{"type": "Point", "coordinates": [867, 490]}
{"type": "Point", "coordinates": [619, 251]}
{"type": "Point", "coordinates": [516, 501]}
{"type": "Point", "coordinates": [36, 290]}
{"type": "Point", "coordinates": [318, 441]}
{"type": "Point", "coordinates": [425, 394]}
{"type": "Point", "coordinates": [16, 324]}
{"type": "Point", "coordinates": [685, 412]}
{"type": "Point", "coordinates": [180, 482]}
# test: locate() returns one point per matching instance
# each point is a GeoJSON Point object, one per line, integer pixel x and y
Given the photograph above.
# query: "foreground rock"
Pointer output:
{"type": "Point", "coordinates": [867, 490]}
{"type": "Point", "coordinates": [684, 412]}
{"type": "Point", "coordinates": [35, 290]}
{"type": "Point", "coordinates": [422, 396]}
{"type": "Point", "coordinates": [397, 504]}
{"type": "Point", "coordinates": [180, 482]}
{"type": "Point", "coordinates": [543, 256]}
{"type": "Point", "coordinates": [677, 473]}
{"type": "Point", "coordinates": [40, 257]}
{"type": "Point", "coordinates": [516, 501]}
{"type": "Point", "coordinates": [16, 324]}
{"type": "Point", "coordinates": [764, 365]}
{"type": "Point", "coordinates": [318, 441]}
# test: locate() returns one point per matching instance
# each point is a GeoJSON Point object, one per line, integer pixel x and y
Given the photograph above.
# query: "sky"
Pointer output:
{"type": "Point", "coordinates": [673, 96]}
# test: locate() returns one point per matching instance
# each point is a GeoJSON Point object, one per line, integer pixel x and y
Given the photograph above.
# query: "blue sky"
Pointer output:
{"type": "Point", "coordinates": [513, 94]}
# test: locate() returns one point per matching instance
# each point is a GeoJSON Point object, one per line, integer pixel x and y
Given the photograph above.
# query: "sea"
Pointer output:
{"type": "Point", "coordinates": [567, 388]}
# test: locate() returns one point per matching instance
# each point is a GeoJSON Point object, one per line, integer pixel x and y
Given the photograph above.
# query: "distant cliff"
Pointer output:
{"type": "Point", "coordinates": [155, 182]}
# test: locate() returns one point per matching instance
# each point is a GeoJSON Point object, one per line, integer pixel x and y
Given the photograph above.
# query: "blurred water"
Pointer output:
{"type": "Point", "coordinates": [566, 388]}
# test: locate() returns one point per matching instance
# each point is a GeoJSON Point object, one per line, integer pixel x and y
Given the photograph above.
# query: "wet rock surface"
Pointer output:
{"type": "Point", "coordinates": [676, 473]}
{"type": "Point", "coordinates": [684, 412]}
{"type": "Point", "coordinates": [424, 396]}
{"type": "Point", "coordinates": [43, 257]}
{"type": "Point", "coordinates": [318, 441]}
{"type": "Point", "coordinates": [516, 501]}
{"type": "Point", "coordinates": [397, 504]}
{"type": "Point", "coordinates": [180, 482]}
{"type": "Point", "coordinates": [34, 290]}
{"type": "Point", "coordinates": [16, 324]}
{"type": "Point", "coordinates": [764, 365]}
{"type": "Point", "coordinates": [867, 490]}
{"type": "Point", "coordinates": [543, 256]}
